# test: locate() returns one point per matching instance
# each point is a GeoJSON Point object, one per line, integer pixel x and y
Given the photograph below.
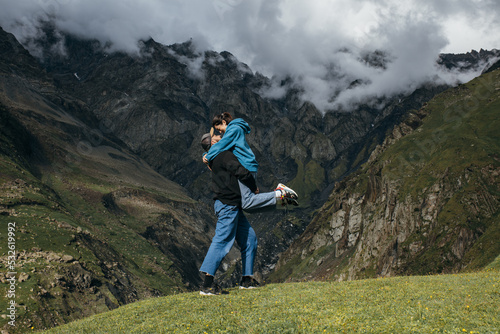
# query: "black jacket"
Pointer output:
{"type": "Point", "coordinates": [226, 171]}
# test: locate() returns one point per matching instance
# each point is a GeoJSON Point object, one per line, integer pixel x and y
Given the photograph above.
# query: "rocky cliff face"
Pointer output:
{"type": "Point", "coordinates": [425, 202]}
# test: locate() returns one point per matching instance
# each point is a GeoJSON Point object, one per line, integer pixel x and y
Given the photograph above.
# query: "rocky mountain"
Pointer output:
{"type": "Point", "coordinates": [101, 171]}
{"type": "Point", "coordinates": [426, 201]}
{"type": "Point", "coordinates": [161, 101]}
{"type": "Point", "coordinates": [93, 226]}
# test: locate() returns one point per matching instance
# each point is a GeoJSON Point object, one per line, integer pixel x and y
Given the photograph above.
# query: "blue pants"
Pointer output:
{"type": "Point", "coordinates": [231, 225]}
{"type": "Point", "coordinates": [252, 203]}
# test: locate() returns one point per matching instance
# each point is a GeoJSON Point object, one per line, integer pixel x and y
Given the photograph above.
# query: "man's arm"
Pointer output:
{"type": "Point", "coordinates": [205, 161]}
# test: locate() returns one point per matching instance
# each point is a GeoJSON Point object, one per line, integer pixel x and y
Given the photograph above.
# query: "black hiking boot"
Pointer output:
{"type": "Point", "coordinates": [210, 288]}
{"type": "Point", "coordinates": [213, 290]}
{"type": "Point", "coordinates": [248, 282]}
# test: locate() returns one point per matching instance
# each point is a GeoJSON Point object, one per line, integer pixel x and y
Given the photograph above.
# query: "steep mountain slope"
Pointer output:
{"type": "Point", "coordinates": [93, 226]}
{"type": "Point", "coordinates": [427, 201]}
{"type": "Point", "coordinates": [160, 101]}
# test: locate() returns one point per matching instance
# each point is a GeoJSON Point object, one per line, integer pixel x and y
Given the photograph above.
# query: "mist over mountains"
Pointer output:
{"type": "Point", "coordinates": [323, 49]}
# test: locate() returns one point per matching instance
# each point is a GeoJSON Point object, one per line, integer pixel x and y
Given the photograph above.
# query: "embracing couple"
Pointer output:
{"type": "Point", "coordinates": [234, 171]}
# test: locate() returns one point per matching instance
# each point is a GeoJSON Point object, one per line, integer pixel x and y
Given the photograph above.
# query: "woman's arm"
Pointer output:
{"type": "Point", "coordinates": [227, 142]}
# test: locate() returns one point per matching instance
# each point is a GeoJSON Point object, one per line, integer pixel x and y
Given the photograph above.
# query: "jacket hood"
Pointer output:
{"type": "Point", "coordinates": [239, 122]}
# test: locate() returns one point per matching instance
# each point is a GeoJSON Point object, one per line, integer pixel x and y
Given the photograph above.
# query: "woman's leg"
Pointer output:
{"type": "Point", "coordinates": [252, 202]}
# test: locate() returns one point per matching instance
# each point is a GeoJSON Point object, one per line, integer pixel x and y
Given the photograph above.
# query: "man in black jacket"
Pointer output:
{"type": "Point", "coordinates": [232, 225]}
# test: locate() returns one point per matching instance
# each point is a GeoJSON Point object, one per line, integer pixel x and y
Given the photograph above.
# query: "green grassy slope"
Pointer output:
{"type": "Point", "coordinates": [69, 219]}
{"type": "Point", "coordinates": [460, 131]}
{"type": "Point", "coordinates": [86, 217]}
{"type": "Point", "coordinates": [465, 303]}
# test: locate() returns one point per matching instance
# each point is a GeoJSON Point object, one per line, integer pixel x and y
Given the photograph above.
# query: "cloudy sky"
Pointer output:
{"type": "Point", "coordinates": [318, 43]}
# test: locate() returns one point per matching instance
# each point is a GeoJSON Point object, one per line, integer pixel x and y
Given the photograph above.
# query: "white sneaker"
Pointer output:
{"type": "Point", "coordinates": [287, 192]}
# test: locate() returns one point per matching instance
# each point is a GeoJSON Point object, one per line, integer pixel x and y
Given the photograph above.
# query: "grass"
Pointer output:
{"type": "Point", "coordinates": [462, 303]}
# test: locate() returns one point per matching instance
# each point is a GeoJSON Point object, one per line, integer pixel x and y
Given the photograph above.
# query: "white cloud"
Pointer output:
{"type": "Point", "coordinates": [318, 43]}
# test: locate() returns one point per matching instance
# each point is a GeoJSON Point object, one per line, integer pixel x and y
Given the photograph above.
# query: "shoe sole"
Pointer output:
{"type": "Point", "coordinates": [208, 293]}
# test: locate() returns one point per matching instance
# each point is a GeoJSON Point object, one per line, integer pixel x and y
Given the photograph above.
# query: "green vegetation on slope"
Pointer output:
{"type": "Point", "coordinates": [308, 180]}
{"type": "Point", "coordinates": [69, 219]}
{"type": "Point", "coordinates": [428, 202]}
{"type": "Point", "coordinates": [465, 303]}
{"type": "Point", "coordinates": [79, 223]}
{"type": "Point", "coordinates": [460, 131]}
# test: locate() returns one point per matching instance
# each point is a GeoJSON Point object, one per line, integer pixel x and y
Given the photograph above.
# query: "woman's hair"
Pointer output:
{"type": "Point", "coordinates": [225, 116]}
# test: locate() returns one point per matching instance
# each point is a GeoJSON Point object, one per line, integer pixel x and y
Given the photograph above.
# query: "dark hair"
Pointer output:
{"type": "Point", "coordinates": [206, 142]}
{"type": "Point", "coordinates": [225, 116]}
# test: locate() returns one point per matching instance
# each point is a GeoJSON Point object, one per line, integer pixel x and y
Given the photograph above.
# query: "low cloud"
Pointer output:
{"type": "Point", "coordinates": [338, 52]}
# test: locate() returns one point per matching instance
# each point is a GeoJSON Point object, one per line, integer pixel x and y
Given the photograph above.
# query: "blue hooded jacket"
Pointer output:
{"type": "Point", "coordinates": [234, 139]}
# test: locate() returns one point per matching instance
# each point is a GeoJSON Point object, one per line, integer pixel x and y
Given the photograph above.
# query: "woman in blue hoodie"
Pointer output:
{"type": "Point", "coordinates": [234, 139]}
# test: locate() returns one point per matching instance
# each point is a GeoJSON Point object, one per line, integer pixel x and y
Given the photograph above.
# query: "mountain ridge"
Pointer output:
{"type": "Point", "coordinates": [425, 202]}
{"type": "Point", "coordinates": [101, 168]}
